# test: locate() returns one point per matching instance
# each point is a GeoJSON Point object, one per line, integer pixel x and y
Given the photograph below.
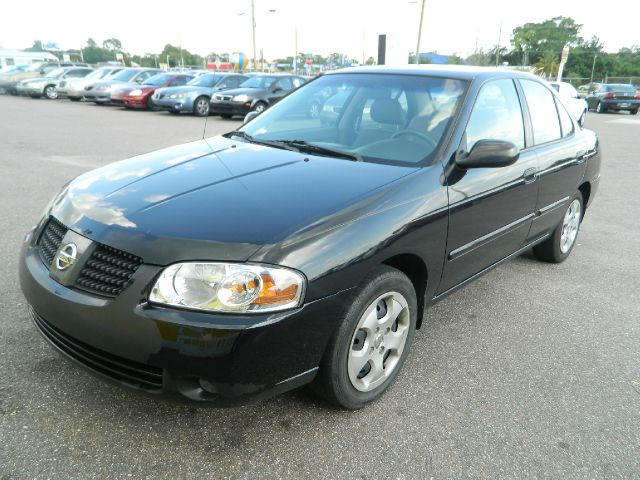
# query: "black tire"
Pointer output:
{"type": "Point", "coordinates": [150, 105]}
{"type": "Point", "coordinates": [201, 106]}
{"type": "Point", "coordinates": [550, 250]}
{"type": "Point", "coordinates": [50, 92]}
{"type": "Point", "coordinates": [333, 382]}
{"type": "Point", "coordinates": [33, 95]}
{"type": "Point", "coordinates": [600, 108]}
{"type": "Point", "coordinates": [259, 107]}
{"type": "Point", "coordinates": [173, 112]}
{"type": "Point", "coordinates": [75, 99]}
{"type": "Point", "coordinates": [226, 115]}
{"type": "Point", "coordinates": [633, 112]}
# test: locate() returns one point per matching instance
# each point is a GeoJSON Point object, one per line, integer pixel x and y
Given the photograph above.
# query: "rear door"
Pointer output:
{"type": "Point", "coordinates": [560, 155]}
{"type": "Point", "coordinates": [490, 209]}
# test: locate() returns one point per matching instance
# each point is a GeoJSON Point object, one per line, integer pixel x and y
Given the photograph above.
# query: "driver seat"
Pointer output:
{"type": "Point", "coordinates": [387, 113]}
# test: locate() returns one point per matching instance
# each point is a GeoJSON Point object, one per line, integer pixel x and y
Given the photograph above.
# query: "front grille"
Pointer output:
{"type": "Point", "coordinates": [50, 240]}
{"type": "Point", "coordinates": [117, 368]}
{"type": "Point", "coordinates": [88, 87]}
{"type": "Point", "coordinates": [107, 272]}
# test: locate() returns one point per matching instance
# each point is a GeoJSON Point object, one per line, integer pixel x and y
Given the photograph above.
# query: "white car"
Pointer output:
{"type": "Point", "coordinates": [577, 106]}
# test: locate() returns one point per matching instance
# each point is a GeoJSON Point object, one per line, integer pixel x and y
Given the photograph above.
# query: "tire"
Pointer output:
{"type": "Point", "coordinates": [259, 107]}
{"type": "Point", "coordinates": [50, 92]}
{"type": "Point", "coordinates": [559, 245]}
{"type": "Point", "coordinates": [173, 112]}
{"type": "Point", "coordinates": [226, 115]}
{"type": "Point", "coordinates": [633, 112]}
{"type": "Point", "coordinates": [343, 379]}
{"type": "Point", "coordinates": [600, 108]}
{"type": "Point", "coordinates": [35, 96]}
{"type": "Point", "coordinates": [150, 106]}
{"type": "Point", "coordinates": [201, 106]}
{"type": "Point", "coordinates": [75, 99]}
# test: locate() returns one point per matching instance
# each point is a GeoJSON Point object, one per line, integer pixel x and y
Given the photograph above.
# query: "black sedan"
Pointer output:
{"type": "Point", "coordinates": [615, 97]}
{"type": "Point", "coordinates": [254, 95]}
{"type": "Point", "coordinates": [291, 252]}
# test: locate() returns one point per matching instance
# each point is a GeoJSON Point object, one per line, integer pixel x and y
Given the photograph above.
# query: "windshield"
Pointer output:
{"type": "Point", "coordinates": [259, 81]}
{"type": "Point", "coordinates": [620, 88]}
{"type": "Point", "coordinates": [158, 80]}
{"type": "Point", "coordinates": [205, 80]}
{"type": "Point", "coordinates": [555, 86]}
{"type": "Point", "coordinates": [35, 67]}
{"type": "Point", "coordinates": [100, 73]}
{"type": "Point", "coordinates": [395, 119]}
{"type": "Point", "coordinates": [125, 75]}
{"type": "Point", "coordinates": [58, 72]}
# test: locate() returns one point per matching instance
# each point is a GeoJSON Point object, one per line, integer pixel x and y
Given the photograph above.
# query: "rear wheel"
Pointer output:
{"type": "Point", "coordinates": [600, 108]}
{"type": "Point", "coordinates": [50, 92]}
{"type": "Point", "coordinates": [559, 245]}
{"type": "Point", "coordinates": [634, 112]}
{"type": "Point", "coordinates": [372, 340]}
{"type": "Point", "coordinates": [201, 106]}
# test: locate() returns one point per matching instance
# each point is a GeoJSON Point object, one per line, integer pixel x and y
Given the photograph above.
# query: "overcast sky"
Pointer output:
{"type": "Point", "coordinates": [324, 26]}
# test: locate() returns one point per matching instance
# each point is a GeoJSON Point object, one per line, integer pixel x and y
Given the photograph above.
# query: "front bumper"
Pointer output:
{"type": "Point", "coordinates": [217, 359]}
{"type": "Point", "coordinates": [98, 96]}
{"type": "Point", "coordinates": [229, 107]}
{"type": "Point", "coordinates": [134, 102]}
{"type": "Point", "coordinates": [184, 104]}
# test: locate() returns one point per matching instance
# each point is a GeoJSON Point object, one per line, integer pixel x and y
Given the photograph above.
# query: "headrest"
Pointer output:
{"type": "Point", "coordinates": [386, 110]}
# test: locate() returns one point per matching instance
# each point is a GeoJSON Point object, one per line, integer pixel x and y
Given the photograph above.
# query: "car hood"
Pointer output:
{"type": "Point", "coordinates": [214, 199]}
{"type": "Point", "coordinates": [186, 89]}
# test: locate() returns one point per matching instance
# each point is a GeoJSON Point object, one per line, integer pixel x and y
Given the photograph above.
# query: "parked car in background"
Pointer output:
{"type": "Point", "coordinates": [74, 89]}
{"type": "Point", "coordinates": [577, 106]}
{"type": "Point", "coordinates": [140, 96]}
{"type": "Point", "coordinates": [255, 94]}
{"type": "Point", "coordinates": [194, 97]}
{"type": "Point", "coordinates": [283, 253]}
{"type": "Point", "coordinates": [35, 70]}
{"type": "Point", "coordinates": [8, 71]}
{"type": "Point", "coordinates": [100, 92]}
{"type": "Point", "coordinates": [615, 97]}
{"type": "Point", "coordinates": [47, 87]}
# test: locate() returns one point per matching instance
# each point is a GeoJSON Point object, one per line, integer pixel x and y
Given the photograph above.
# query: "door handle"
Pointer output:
{"type": "Point", "coordinates": [530, 175]}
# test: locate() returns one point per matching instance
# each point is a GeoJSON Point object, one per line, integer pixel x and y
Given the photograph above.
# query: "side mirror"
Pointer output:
{"type": "Point", "coordinates": [489, 154]}
{"type": "Point", "coordinates": [250, 116]}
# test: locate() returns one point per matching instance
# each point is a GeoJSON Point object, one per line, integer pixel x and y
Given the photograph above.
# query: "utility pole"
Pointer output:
{"type": "Point", "coordinates": [253, 27]}
{"type": "Point", "coordinates": [295, 58]}
{"type": "Point", "coordinates": [593, 67]}
{"type": "Point", "coordinates": [419, 33]}
{"type": "Point", "coordinates": [498, 46]}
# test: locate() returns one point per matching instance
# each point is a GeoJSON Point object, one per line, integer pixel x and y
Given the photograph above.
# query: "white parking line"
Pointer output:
{"type": "Point", "coordinates": [629, 121]}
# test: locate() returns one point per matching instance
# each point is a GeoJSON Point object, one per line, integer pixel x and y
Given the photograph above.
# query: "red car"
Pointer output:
{"type": "Point", "coordinates": [139, 96]}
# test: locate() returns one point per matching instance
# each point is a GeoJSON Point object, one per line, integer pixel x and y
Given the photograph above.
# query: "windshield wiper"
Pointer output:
{"type": "Point", "coordinates": [251, 139]}
{"type": "Point", "coordinates": [304, 146]}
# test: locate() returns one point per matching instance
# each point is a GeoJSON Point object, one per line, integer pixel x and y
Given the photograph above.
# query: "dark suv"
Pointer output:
{"type": "Point", "coordinates": [255, 94]}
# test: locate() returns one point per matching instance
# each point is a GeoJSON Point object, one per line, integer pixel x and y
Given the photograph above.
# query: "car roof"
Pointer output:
{"type": "Point", "coordinates": [462, 72]}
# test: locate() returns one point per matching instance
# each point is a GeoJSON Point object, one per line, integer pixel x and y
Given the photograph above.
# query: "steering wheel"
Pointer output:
{"type": "Point", "coordinates": [420, 135]}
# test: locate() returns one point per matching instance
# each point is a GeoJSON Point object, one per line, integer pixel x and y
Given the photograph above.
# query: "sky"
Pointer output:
{"type": "Point", "coordinates": [323, 26]}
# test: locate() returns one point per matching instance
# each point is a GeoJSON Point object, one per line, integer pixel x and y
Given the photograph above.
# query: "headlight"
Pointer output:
{"type": "Point", "coordinates": [177, 95]}
{"type": "Point", "coordinates": [228, 287]}
{"type": "Point", "coordinates": [135, 93]}
{"type": "Point", "coordinates": [241, 98]}
{"type": "Point", "coordinates": [103, 87]}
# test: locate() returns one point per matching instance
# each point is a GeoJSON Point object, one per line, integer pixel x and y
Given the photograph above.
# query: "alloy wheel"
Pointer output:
{"type": "Point", "coordinates": [570, 226]}
{"type": "Point", "coordinates": [378, 341]}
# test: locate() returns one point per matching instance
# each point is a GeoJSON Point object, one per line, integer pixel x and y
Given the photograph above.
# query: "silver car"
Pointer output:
{"type": "Point", "coordinates": [48, 86]}
{"type": "Point", "coordinates": [100, 91]}
{"type": "Point", "coordinates": [73, 89]}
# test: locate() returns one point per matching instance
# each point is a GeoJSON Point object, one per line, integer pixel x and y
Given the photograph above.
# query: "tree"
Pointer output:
{"type": "Point", "coordinates": [370, 61]}
{"type": "Point", "coordinates": [548, 65]}
{"type": "Point", "coordinates": [454, 60]}
{"type": "Point", "coordinates": [112, 44]}
{"type": "Point", "coordinates": [533, 41]}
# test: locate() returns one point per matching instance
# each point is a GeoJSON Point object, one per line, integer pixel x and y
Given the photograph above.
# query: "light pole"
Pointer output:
{"type": "Point", "coordinates": [419, 33]}
{"type": "Point", "coordinates": [253, 27]}
{"type": "Point", "coordinates": [593, 67]}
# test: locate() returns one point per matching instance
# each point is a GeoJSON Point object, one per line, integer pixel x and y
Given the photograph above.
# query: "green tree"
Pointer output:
{"type": "Point", "coordinates": [370, 61]}
{"type": "Point", "coordinates": [112, 44]}
{"type": "Point", "coordinates": [533, 41]}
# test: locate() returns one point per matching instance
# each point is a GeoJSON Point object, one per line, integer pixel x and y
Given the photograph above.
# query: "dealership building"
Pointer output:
{"type": "Point", "coordinates": [19, 57]}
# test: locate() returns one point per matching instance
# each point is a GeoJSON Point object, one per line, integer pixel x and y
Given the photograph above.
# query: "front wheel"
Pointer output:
{"type": "Point", "coordinates": [372, 340]}
{"type": "Point", "coordinates": [50, 92]}
{"type": "Point", "coordinates": [633, 112]}
{"type": "Point", "coordinates": [559, 245]}
{"type": "Point", "coordinates": [201, 106]}
{"type": "Point", "coordinates": [259, 107]}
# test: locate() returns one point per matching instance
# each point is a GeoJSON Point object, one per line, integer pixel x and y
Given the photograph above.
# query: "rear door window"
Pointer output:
{"type": "Point", "coordinates": [542, 109]}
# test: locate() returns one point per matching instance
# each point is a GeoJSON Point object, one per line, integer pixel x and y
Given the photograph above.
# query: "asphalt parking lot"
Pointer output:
{"type": "Point", "coordinates": [531, 372]}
